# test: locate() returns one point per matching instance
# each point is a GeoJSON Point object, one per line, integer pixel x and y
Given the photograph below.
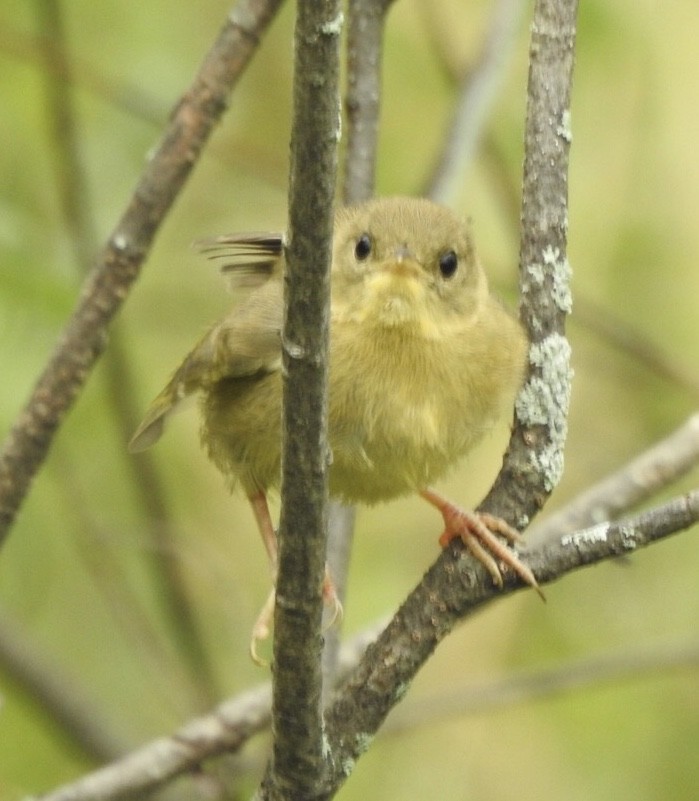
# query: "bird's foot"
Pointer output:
{"type": "Point", "coordinates": [478, 531]}
{"type": "Point", "coordinates": [263, 625]}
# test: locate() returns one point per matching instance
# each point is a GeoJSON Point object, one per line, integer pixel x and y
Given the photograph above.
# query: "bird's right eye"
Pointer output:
{"type": "Point", "coordinates": [363, 247]}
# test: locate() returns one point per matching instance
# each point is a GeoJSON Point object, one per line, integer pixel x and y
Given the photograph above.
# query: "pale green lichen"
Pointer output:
{"type": "Point", "coordinates": [401, 690]}
{"type": "Point", "coordinates": [523, 521]}
{"type": "Point", "coordinates": [587, 536]}
{"type": "Point", "coordinates": [553, 267]}
{"type": "Point", "coordinates": [544, 400]}
{"type": "Point", "coordinates": [327, 750]}
{"type": "Point", "coordinates": [564, 129]}
{"type": "Point", "coordinates": [560, 272]}
{"type": "Point", "coordinates": [628, 537]}
{"type": "Point", "coordinates": [348, 766]}
{"type": "Point", "coordinates": [537, 273]}
{"type": "Point", "coordinates": [334, 26]}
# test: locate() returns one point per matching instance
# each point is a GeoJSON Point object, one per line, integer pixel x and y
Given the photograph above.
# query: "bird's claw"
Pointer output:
{"type": "Point", "coordinates": [263, 625]}
{"type": "Point", "coordinates": [478, 531]}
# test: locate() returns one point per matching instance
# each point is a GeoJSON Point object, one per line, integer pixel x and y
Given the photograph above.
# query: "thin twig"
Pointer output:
{"type": "Point", "coordinates": [298, 763]}
{"type": "Point", "coordinates": [341, 520]}
{"type": "Point", "coordinates": [59, 696]}
{"type": "Point", "coordinates": [633, 663]}
{"type": "Point", "coordinates": [476, 95]}
{"type": "Point", "coordinates": [365, 28]}
{"type": "Point", "coordinates": [119, 263]}
{"type": "Point", "coordinates": [637, 481]}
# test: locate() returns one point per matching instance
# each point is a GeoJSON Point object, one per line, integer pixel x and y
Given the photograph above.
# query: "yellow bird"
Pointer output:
{"type": "Point", "coordinates": [422, 361]}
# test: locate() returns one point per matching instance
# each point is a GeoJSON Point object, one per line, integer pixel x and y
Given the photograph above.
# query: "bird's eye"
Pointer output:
{"type": "Point", "coordinates": [448, 262]}
{"type": "Point", "coordinates": [363, 247]}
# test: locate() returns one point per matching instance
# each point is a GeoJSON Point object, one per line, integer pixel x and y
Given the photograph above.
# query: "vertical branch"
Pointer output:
{"type": "Point", "coordinates": [298, 761]}
{"type": "Point", "coordinates": [533, 462]}
{"type": "Point", "coordinates": [365, 27]}
{"type": "Point", "coordinates": [119, 264]}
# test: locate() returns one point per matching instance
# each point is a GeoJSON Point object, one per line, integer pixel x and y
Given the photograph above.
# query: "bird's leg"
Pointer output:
{"type": "Point", "coordinates": [258, 501]}
{"type": "Point", "coordinates": [478, 530]}
{"type": "Point", "coordinates": [263, 624]}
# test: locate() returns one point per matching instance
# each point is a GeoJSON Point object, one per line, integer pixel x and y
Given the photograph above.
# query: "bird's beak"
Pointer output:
{"type": "Point", "coordinates": [403, 263]}
{"type": "Point", "coordinates": [402, 253]}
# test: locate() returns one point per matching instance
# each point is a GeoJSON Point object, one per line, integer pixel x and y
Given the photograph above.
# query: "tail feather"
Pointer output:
{"type": "Point", "coordinates": [153, 424]}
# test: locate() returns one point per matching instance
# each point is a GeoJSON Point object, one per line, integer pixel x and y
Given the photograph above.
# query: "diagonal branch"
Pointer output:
{"type": "Point", "coordinates": [656, 468]}
{"type": "Point", "coordinates": [360, 704]}
{"type": "Point", "coordinates": [477, 93]}
{"type": "Point", "coordinates": [371, 686]}
{"type": "Point", "coordinates": [432, 609]}
{"type": "Point", "coordinates": [119, 263]}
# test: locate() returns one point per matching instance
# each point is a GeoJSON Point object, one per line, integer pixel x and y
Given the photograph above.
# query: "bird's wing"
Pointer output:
{"type": "Point", "coordinates": [244, 343]}
{"type": "Point", "coordinates": [246, 260]}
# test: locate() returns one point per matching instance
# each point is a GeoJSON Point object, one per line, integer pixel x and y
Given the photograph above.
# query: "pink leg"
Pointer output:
{"type": "Point", "coordinates": [258, 501]}
{"type": "Point", "coordinates": [263, 624]}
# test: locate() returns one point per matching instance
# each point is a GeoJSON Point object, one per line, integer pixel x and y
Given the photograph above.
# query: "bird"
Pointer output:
{"type": "Point", "coordinates": [423, 359]}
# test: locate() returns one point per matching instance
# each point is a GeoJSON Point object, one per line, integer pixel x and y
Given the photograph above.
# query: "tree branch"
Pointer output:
{"type": "Point", "coordinates": [298, 763]}
{"type": "Point", "coordinates": [635, 482]}
{"type": "Point", "coordinates": [76, 206]}
{"type": "Point", "coordinates": [533, 462]}
{"type": "Point", "coordinates": [365, 26]}
{"type": "Point", "coordinates": [477, 92]}
{"type": "Point", "coordinates": [432, 609]}
{"type": "Point", "coordinates": [366, 20]}
{"type": "Point", "coordinates": [385, 668]}
{"type": "Point", "coordinates": [119, 263]}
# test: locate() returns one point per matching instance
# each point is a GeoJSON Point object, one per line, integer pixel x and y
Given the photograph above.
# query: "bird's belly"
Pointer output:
{"type": "Point", "coordinates": [391, 448]}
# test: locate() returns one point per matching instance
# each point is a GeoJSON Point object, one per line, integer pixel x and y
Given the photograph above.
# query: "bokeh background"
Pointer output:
{"type": "Point", "coordinates": [82, 573]}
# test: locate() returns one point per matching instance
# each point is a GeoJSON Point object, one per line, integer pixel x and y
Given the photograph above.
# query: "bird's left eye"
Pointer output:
{"type": "Point", "coordinates": [448, 262]}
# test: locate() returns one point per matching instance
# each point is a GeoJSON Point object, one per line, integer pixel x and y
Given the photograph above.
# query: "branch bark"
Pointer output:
{"type": "Point", "coordinates": [640, 479]}
{"type": "Point", "coordinates": [533, 462]}
{"type": "Point", "coordinates": [298, 763]}
{"type": "Point", "coordinates": [366, 19]}
{"type": "Point", "coordinates": [118, 265]}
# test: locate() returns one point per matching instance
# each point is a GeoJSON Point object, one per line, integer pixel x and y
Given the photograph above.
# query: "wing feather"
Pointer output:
{"type": "Point", "coordinates": [245, 342]}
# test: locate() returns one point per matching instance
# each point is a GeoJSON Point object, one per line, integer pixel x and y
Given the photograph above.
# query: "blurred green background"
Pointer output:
{"type": "Point", "coordinates": [81, 573]}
